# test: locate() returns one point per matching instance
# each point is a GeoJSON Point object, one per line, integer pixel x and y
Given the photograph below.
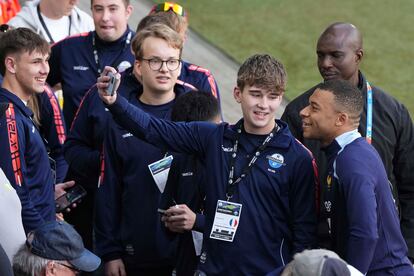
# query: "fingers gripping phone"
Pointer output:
{"type": "Point", "coordinates": [73, 195]}
{"type": "Point", "coordinates": [110, 90]}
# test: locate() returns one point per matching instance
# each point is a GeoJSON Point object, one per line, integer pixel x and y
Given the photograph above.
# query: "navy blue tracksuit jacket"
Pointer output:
{"type": "Point", "coordinates": [186, 185]}
{"type": "Point", "coordinates": [278, 215]}
{"type": "Point", "coordinates": [25, 162]}
{"type": "Point", "coordinates": [127, 223]}
{"type": "Point", "coordinates": [365, 225]}
{"type": "Point", "coordinates": [72, 63]}
{"type": "Point", "coordinates": [52, 128]}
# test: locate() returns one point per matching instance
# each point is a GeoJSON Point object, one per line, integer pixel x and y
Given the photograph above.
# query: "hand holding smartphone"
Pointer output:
{"type": "Point", "coordinates": [73, 195]}
{"type": "Point", "coordinates": [110, 90]}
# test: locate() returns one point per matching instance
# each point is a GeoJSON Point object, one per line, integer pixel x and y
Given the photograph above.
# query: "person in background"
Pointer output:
{"type": "Point", "coordinates": [53, 20]}
{"type": "Point", "coordinates": [319, 262]}
{"type": "Point", "coordinates": [260, 197]}
{"type": "Point", "coordinates": [385, 122]}
{"type": "Point", "coordinates": [11, 233]}
{"type": "Point", "coordinates": [132, 184]}
{"type": "Point", "coordinates": [75, 63]}
{"type": "Point", "coordinates": [185, 185]}
{"type": "Point", "coordinates": [358, 203]}
{"type": "Point", "coordinates": [8, 9]}
{"type": "Point", "coordinates": [54, 248]}
{"type": "Point", "coordinates": [192, 77]}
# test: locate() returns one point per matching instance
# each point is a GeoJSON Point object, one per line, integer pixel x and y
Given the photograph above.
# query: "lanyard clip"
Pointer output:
{"type": "Point", "coordinates": [228, 196]}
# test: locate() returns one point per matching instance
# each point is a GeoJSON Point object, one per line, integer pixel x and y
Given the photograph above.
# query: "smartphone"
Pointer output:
{"type": "Point", "coordinates": [73, 195]}
{"type": "Point", "coordinates": [111, 88]}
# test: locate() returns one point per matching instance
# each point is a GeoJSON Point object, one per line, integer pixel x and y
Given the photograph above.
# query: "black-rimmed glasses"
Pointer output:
{"type": "Point", "coordinates": [74, 269]}
{"type": "Point", "coordinates": [156, 63]}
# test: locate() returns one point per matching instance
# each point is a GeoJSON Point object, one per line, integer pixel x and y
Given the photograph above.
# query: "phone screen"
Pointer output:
{"type": "Point", "coordinates": [73, 195]}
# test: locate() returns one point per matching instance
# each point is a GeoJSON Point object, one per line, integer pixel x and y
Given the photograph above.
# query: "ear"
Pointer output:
{"type": "Point", "coordinates": [10, 64]}
{"type": "Point", "coordinates": [237, 94]}
{"type": "Point", "coordinates": [342, 119]}
{"type": "Point", "coordinates": [128, 11]}
{"type": "Point", "coordinates": [137, 67]}
{"type": "Point", "coordinates": [359, 54]}
{"type": "Point", "coordinates": [50, 269]}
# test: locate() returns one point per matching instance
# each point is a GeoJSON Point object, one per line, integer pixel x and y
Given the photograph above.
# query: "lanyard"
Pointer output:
{"type": "Point", "coordinates": [231, 182]}
{"type": "Point", "coordinates": [45, 27]}
{"type": "Point", "coordinates": [369, 114]}
{"type": "Point", "coordinates": [96, 56]}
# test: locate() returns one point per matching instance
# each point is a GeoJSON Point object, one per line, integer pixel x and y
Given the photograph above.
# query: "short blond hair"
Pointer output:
{"type": "Point", "coordinates": [159, 31]}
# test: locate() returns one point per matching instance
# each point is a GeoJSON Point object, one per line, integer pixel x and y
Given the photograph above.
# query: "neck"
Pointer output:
{"type": "Point", "coordinates": [47, 8]}
{"type": "Point", "coordinates": [355, 79]}
{"type": "Point", "coordinates": [259, 131]}
{"type": "Point", "coordinates": [15, 88]}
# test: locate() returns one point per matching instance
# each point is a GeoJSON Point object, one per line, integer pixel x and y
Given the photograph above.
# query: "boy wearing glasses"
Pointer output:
{"type": "Point", "coordinates": [130, 236]}
{"type": "Point", "coordinates": [260, 182]}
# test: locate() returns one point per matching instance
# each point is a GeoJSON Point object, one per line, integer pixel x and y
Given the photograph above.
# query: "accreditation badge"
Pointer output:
{"type": "Point", "coordinates": [226, 220]}
{"type": "Point", "coordinates": [159, 171]}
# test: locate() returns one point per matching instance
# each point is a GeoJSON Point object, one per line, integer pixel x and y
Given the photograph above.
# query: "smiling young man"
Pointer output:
{"type": "Point", "coordinates": [24, 64]}
{"type": "Point", "coordinates": [357, 197]}
{"type": "Point", "coordinates": [75, 62]}
{"type": "Point", "coordinates": [385, 122]}
{"type": "Point", "coordinates": [260, 185]}
{"type": "Point", "coordinates": [130, 236]}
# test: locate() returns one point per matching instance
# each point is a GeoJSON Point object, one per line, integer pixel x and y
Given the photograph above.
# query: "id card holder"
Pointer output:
{"type": "Point", "coordinates": [226, 220]}
{"type": "Point", "coordinates": [52, 163]}
{"type": "Point", "coordinates": [159, 171]}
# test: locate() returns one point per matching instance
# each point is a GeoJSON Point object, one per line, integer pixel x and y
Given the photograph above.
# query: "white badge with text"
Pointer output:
{"type": "Point", "coordinates": [159, 171]}
{"type": "Point", "coordinates": [226, 220]}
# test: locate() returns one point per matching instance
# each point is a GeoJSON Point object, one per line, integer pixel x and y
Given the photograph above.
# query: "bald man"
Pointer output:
{"type": "Point", "coordinates": [340, 52]}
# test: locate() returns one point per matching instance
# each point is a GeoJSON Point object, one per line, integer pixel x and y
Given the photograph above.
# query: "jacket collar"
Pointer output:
{"type": "Point", "coordinates": [282, 139]}
{"type": "Point", "coordinates": [16, 101]}
{"type": "Point", "coordinates": [120, 42]}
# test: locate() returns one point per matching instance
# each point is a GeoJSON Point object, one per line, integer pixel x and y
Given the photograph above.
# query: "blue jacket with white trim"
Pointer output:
{"type": "Point", "coordinates": [25, 162]}
{"type": "Point", "coordinates": [72, 63]}
{"type": "Point", "coordinates": [278, 216]}
{"type": "Point", "coordinates": [365, 225]}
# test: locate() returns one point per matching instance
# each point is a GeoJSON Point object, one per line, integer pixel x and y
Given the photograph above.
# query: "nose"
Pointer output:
{"type": "Point", "coordinates": [304, 112]}
{"type": "Point", "coordinates": [164, 67]}
{"type": "Point", "coordinates": [325, 61]}
{"type": "Point", "coordinates": [262, 103]}
{"type": "Point", "coordinates": [105, 15]}
{"type": "Point", "coordinates": [44, 69]}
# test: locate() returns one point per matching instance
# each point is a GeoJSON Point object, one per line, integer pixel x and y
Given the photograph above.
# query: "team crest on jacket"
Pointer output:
{"type": "Point", "coordinates": [123, 66]}
{"type": "Point", "coordinates": [276, 160]}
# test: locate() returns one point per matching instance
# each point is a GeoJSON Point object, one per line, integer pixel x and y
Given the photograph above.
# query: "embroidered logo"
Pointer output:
{"type": "Point", "coordinates": [80, 68]}
{"type": "Point", "coordinates": [229, 149]}
{"type": "Point", "coordinates": [126, 135]}
{"type": "Point", "coordinates": [276, 160]}
{"type": "Point", "coordinates": [123, 66]}
{"type": "Point", "coordinates": [187, 174]}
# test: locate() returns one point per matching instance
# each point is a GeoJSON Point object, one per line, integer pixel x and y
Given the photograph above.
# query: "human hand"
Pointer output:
{"type": "Point", "coordinates": [179, 218]}
{"type": "Point", "coordinates": [115, 268]}
{"type": "Point", "coordinates": [60, 189]}
{"type": "Point", "coordinates": [103, 83]}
